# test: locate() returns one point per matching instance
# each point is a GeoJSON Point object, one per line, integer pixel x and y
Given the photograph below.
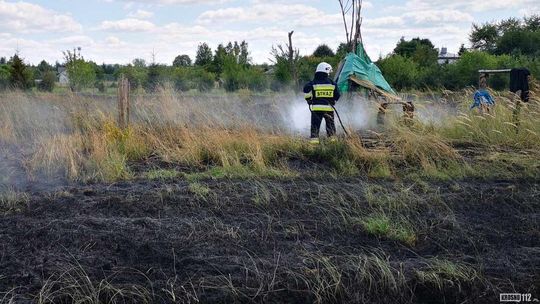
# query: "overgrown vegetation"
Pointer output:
{"type": "Point", "coordinates": [88, 146]}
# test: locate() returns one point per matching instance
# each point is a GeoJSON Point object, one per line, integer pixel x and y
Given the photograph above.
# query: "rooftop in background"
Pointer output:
{"type": "Point", "coordinates": [447, 58]}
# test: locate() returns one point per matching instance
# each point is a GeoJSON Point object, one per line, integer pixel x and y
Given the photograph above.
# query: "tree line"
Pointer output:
{"type": "Point", "coordinates": [413, 64]}
{"type": "Point", "coordinates": [504, 44]}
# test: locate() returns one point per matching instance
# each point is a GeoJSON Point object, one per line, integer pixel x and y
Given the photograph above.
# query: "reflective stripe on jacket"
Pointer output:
{"type": "Point", "coordinates": [321, 93]}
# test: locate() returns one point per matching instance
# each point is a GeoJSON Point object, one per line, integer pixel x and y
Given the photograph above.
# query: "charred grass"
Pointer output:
{"type": "Point", "coordinates": [323, 241]}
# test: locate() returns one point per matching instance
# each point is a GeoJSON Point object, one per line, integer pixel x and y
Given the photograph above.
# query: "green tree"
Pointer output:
{"type": "Point", "coordinates": [4, 76]}
{"type": "Point", "coordinates": [408, 48]}
{"type": "Point", "coordinates": [484, 37]}
{"type": "Point", "coordinates": [19, 76]}
{"type": "Point", "coordinates": [519, 41]}
{"type": "Point", "coordinates": [182, 61]}
{"type": "Point", "coordinates": [44, 67]}
{"type": "Point", "coordinates": [81, 73]}
{"type": "Point", "coordinates": [139, 63]}
{"type": "Point", "coordinates": [153, 80]}
{"type": "Point", "coordinates": [220, 57]}
{"type": "Point", "coordinates": [285, 68]}
{"type": "Point", "coordinates": [322, 51]}
{"type": "Point", "coordinates": [3, 60]}
{"type": "Point", "coordinates": [462, 50]}
{"type": "Point", "coordinates": [135, 75]}
{"type": "Point", "coordinates": [48, 81]}
{"type": "Point", "coordinates": [243, 57]}
{"type": "Point", "coordinates": [532, 23]}
{"type": "Point", "coordinates": [510, 24]}
{"type": "Point", "coordinates": [422, 51]}
{"type": "Point", "coordinates": [233, 52]}
{"type": "Point", "coordinates": [401, 72]}
{"type": "Point", "coordinates": [510, 36]}
{"type": "Point", "coordinates": [343, 49]}
{"type": "Point", "coordinates": [465, 72]}
{"type": "Point", "coordinates": [204, 81]}
{"type": "Point", "coordinates": [204, 55]}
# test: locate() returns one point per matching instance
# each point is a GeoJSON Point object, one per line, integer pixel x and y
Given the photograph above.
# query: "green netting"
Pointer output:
{"type": "Point", "coordinates": [361, 66]}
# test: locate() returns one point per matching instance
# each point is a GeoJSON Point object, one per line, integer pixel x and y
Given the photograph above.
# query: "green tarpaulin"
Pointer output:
{"type": "Point", "coordinates": [361, 67]}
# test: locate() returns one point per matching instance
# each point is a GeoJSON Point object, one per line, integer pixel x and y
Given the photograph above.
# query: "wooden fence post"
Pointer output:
{"type": "Point", "coordinates": [482, 81]}
{"type": "Point", "coordinates": [123, 102]}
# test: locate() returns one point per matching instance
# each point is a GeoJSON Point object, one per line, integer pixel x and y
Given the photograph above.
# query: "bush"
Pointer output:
{"type": "Point", "coordinates": [204, 81]}
{"type": "Point", "coordinates": [136, 75]}
{"type": "Point", "coordinates": [308, 65]}
{"type": "Point", "coordinates": [181, 80]}
{"type": "Point", "coordinates": [20, 77]}
{"type": "Point", "coordinates": [189, 78]}
{"type": "Point", "coordinates": [4, 77]}
{"type": "Point", "coordinates": [48, 81]}
{"type": "Point", "coordinates": [100, 86]}
{"type": "Point", "coordinates": [81, 74]}
{"type": "Point", "coordinates": [256, 80]}
{"type": "Point", "coordinates": [400, 72]}
{"type": "Point", "coordinates": [236, 77]}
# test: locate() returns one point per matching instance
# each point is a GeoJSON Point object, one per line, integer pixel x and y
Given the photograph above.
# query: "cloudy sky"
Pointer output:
{"type": "Point", "coordinates": [117, 31]}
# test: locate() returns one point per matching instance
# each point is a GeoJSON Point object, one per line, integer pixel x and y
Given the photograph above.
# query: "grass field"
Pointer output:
{"type": "Point", "coordinates": [221, 199]}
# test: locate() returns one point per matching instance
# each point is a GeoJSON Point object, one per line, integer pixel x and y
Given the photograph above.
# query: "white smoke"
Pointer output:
{"type": "Point", "coordinates": [357, 113]}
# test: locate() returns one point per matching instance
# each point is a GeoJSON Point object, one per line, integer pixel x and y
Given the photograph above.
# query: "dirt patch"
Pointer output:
{"type": "Point", "coordinates": [296, 241]}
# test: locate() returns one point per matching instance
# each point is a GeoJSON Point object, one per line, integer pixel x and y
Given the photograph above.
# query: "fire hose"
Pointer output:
{"type": "Point", "coordinates": [339, 118]}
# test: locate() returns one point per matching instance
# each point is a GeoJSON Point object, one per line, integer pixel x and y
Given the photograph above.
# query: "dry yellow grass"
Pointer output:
{"type": "Point", "coordinates": [77, 138]}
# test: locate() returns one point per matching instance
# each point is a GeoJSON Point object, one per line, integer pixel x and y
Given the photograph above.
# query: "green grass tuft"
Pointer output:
{"type": "Point", "coordinates": [441, 272]}
{"type": "Point", "coordinates": [382, 226]}
{"type": "Point", "coordinates": [13, 201]}
{"type": "Point", "coordinates": [162, 174]}
{"type": "Point", "coordinates": [199, 190]}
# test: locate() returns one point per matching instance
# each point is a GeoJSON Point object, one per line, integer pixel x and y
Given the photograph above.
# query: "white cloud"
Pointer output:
{"type": "Point", "coordinates": [141, 14]}
{"type": "Point", "coordinates": [27, 17]}
{"type": "Point", "coordinates": [439, 16]}
{"type": "Point", "coordinates": [384, 21]}
{"type": "Point", "coordinates": [297, 14]}
{"type": "Point", "coordinates": [477, 6]}
{"type": "Point", "coordinates": [173, 2]}
{"type": "Point", "coordinates": [128, 25]}
{"type": "Point", "coordinates": [75, 41]}
{"type": "Point", "coordinates": [114, 41]}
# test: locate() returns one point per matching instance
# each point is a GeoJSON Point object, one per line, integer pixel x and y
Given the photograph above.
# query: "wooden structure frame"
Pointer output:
{"type": "Point", "coordinates": [353, 33]}
{"type": "Point", "coordinates": [484, 74]}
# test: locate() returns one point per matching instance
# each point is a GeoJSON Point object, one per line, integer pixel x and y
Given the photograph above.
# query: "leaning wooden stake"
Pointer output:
{"type": "Point", "coordinates": [291, 58]}
{"type": "Point", "coordinates": [123, 102]}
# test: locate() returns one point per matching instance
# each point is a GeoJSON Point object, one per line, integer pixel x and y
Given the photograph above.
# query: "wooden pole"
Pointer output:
{"type": "Point", "coordinates": [343, 12]}
{"type": "Point", "coordinates": [482, 81]}
{"type": "Point", "coordinates": [292, 62]}
{"type": "Point", "coordinates": [123, 102]}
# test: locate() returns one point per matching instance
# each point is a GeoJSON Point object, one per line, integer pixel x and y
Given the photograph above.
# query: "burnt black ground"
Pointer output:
{"type": "Point", "coordinates": [265, 240]}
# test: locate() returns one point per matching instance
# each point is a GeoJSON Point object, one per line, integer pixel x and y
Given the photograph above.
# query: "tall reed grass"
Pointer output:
{"type": "Point", "coordinates": [76, 137]}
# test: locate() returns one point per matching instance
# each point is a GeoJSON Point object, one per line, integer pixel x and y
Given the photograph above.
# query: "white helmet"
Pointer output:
{"type": "Point", "coordinates": [324, 67]}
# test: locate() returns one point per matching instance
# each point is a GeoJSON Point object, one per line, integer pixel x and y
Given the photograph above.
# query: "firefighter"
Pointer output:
{"type": "Point", "coordinates": [321, 96]}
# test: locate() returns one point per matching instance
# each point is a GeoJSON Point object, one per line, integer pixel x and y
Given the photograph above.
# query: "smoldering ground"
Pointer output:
{"type": "Point", "coordinates": [28, 122]}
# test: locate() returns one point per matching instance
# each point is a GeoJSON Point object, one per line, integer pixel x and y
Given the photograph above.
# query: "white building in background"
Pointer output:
{"type": "Point", "coordinates": [447, 58]}
{"type": "Point", "coordinates": [63, 77]}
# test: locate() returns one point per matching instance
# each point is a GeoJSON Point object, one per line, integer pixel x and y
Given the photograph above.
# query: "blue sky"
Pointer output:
{"type": "Point", "coordinates": [117, 31]}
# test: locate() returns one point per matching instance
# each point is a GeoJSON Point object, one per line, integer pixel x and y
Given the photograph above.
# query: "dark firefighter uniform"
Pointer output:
{"type": "Point", "coordinates": [321, 95]}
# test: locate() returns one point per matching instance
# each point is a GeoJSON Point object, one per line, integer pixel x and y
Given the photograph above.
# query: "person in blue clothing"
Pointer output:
{"type": "Point", "coordinates": [321, 95]}
{"type": "Point", "coordinates": [482, 100]}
